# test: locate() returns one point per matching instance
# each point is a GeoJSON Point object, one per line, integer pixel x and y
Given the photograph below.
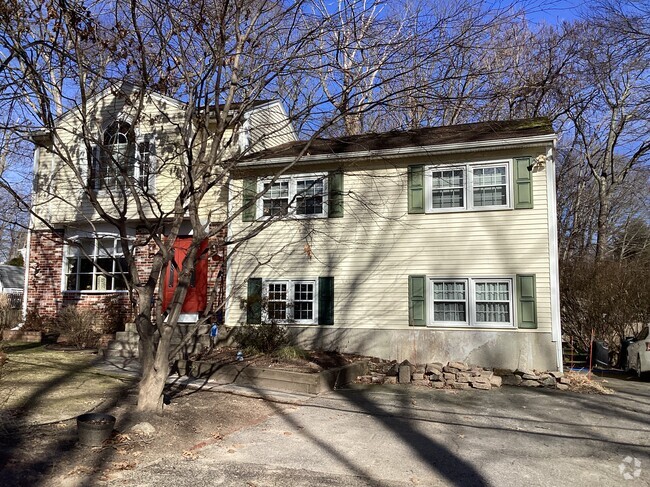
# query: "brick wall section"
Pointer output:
{"type": "Point", "coordinates": [44, 274]}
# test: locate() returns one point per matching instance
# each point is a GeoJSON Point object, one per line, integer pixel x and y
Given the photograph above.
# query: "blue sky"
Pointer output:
{"type": "Point", "coordinates": [554, 11]}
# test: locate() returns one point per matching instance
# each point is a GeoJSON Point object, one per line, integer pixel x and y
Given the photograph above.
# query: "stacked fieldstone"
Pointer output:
{"type": "Point", "coordinates": [459, 375]}
{"type": "Point", "coordinates": [533, 378]}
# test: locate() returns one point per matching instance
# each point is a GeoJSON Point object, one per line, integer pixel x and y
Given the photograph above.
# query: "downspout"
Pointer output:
{"type": "Point", "coordinates": [554, 267]}
{"type": "Point", "coordinates": [226, 262]}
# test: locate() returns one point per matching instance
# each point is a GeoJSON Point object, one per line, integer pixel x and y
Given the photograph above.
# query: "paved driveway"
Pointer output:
{"type": "Point", "coordinates": [408, 436]}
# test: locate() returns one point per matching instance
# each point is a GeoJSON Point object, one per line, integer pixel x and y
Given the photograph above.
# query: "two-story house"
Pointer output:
{"type": "Point", "coordinates": [107, 174]}
{"type": "Point", "coordinates": [429, 245]}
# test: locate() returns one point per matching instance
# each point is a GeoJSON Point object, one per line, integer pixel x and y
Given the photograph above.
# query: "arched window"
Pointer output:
{"type": "Point", "coordinates": [116, 138]}
{"type": "Point", "coordinates": [121, 157]}
{"type": "Point", "coordinates": [117, 156]}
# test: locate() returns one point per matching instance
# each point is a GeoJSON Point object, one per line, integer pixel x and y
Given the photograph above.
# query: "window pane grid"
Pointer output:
{"type": "Point", "coordinates": [493, 302]}
{"type": "Point", "coordinates": [447, 189]}
{"type": "Point", "coordinates": [95, 265]}
{"type": "Point", "coordinates": [304, 196]}
{"type": "Point", "coordinates": [309, 197]}
{"type": "Point", "coordinates": [471, 302]}
{"type": "Point", "coordinates": [450, 302]}
{"type": "Point", "coordinates": [490, 186]}
{"type": "Point", "coordinates": [303, 299]}
{"type": "Point", "coordinates": [277, 301]}
{"type": "Point", "coordinates": [276, 199]}
{"type": "Point", "coordinates": [288, 301]}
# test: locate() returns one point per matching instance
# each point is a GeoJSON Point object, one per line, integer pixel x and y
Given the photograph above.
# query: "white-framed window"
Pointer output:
{"type": "Point", "coordinates": [449, 301]}
{"type": "Point", "coordinates": [290, 301]}
{"type": "Point", "coordinates": [479, 302]}
{"type": "Point", "coordinates": [123, 154]}
{"type": "Point", "coordinates": [94, 264]}
{"type": "Point", "coordinates": [492, 302]}
{"type": "Point", "coordinates": [302, 196]}
{"type": "Point", "coordinates": [472, 186]}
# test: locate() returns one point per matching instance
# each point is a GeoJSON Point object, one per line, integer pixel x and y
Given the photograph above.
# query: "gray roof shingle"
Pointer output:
{"type": "Point", "coordinates": [429, 136]}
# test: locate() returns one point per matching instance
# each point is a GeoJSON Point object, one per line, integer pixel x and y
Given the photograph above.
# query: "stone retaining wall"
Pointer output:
{"type": "Point", "coordinates": [459, 375]}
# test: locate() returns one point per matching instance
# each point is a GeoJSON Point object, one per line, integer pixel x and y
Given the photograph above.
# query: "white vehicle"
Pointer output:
{"type": "Point", "coordinates": [638, 353]}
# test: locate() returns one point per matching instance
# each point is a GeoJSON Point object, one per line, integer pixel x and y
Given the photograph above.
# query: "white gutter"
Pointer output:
{"type": "Point", "coordinates": [458, 147]}
{"type": "Point", "coordinates": [26, 263]}
{"type": "Point", "coordinates": [226, 261]}
{"type": "Point", "coordinates": [554, 255]}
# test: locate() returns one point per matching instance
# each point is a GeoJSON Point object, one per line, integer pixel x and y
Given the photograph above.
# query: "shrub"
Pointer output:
{"type": "Point", "coordinates": [35, 321]}
{"type": "Point", "coordinates": [77, 325]}
{"type": "Point", "coordinates": [289, 352]}
{"type": "Point", "coordinates": [113, 315]}
{"type": "Point", "coordinates": [265, 338]}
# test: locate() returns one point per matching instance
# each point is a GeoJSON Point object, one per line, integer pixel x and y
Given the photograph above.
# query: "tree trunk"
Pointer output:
{"type": "Point", "coordinates": [603, 221]}
{"type": "Point", "coordinates": [154, 378]}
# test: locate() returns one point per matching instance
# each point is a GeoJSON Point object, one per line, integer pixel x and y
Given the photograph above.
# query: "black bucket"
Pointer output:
{"type": "Point", "coordinates": [94, 428]}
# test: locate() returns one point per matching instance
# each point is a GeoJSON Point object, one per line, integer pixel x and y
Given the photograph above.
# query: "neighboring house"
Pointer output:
{"type": "Point", "coordinates": [12, 279]}
{"type": "Point", "coordinates": [12, 282]}
{"type": "Point", "coordinates": [428, 245]}
{"type": "Point", "coordinates": [69, 241]}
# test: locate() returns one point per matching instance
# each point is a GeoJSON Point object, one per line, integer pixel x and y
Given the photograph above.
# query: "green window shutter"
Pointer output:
{"type": "Point", "coordinates": [335, 197]}
{"type": "Point", "coordinates": [417, 301]}
{"type": "Point", "coordinates": [526, 302]}
{"type": "Point", "coordinates": [250, 190]}
{"type": "Point", "coordinates": [254, 301]}
{"type": "Point", "coordinates": [523, 183]}
{"type": "Point", "coordinates": [325, 300]}
{"type": "Point", "coordinates": [416, 189]}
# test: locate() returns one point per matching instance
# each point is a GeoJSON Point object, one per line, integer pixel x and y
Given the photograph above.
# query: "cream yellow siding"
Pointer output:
{"type": "Point", "coordinates": [373, 249]}
{"type": "Point", "coordinates": [269, 126]}
{"type": "Point", "coordinates": [59, 197]}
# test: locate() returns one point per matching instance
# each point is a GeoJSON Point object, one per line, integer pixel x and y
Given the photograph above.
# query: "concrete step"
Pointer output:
{"type": "Point", "coordinates": [120, 354]}
{"type": "Point", "coordinates": [126, 336]}
{"type": "Point", "coordinates": [117, 345]}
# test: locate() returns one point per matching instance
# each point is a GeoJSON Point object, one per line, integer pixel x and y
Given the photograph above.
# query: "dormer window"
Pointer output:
{"type": "Point", "coordinates": [123, 158]}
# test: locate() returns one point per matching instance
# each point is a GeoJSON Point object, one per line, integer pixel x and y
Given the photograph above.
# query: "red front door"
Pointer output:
{"type": "Point", "coordinates": [197, 294]}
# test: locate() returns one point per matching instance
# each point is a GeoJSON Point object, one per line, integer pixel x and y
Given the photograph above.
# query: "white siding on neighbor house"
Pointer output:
{"type": "Point", "coordinates": [373, 249]}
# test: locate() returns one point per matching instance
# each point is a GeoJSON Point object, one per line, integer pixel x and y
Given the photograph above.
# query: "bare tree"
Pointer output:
{"type": "Point", "coordinates": [217, 61]}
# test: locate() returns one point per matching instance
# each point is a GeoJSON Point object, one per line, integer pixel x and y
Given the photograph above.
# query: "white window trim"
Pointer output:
{"type": "Point", "coordinates": [468, 196]}
{"type": "Point", "coordinates": [96, 272]}
{"type": "Point", "coordinates": [290, 293]}
{"type": "Point", "coordinates": [292, 179]}
{"type": "Point", "coordinates": [431, 300]}
{"type": "Point", "coordinates": [470, 312]}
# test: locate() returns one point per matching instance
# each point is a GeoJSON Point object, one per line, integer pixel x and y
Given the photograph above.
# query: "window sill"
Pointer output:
{"type": "Point", "coordinates": [472, 327]}
{"type": "Point", "coordinates": [285, 218]}
{"type": "Point", "coordinates": [294, 322]}
{"type": "Point", "coordinates": [87, 291]}
{"type": "Point", "coordinates": [463, 210]}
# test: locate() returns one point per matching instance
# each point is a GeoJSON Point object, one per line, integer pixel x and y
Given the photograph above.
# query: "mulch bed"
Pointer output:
{"type": "Point", "coordinates": [315, 361]}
